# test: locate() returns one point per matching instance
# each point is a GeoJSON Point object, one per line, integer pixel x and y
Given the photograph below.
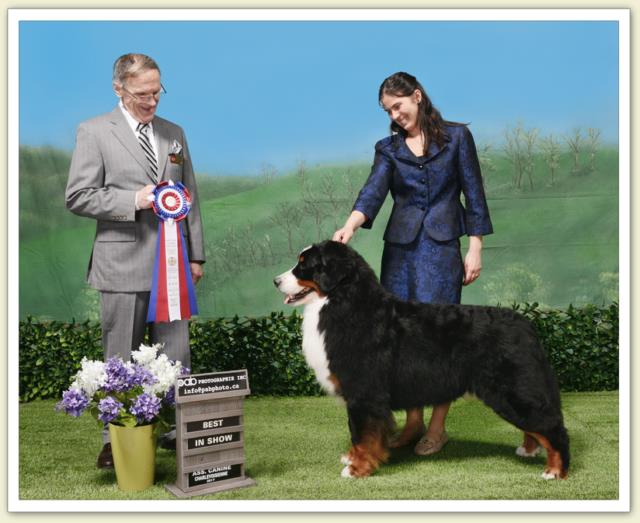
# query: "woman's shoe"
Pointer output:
{"type": "Point", "coordinates": [427, 445]}
{"type": "Point", "coordinates": [403, 439]}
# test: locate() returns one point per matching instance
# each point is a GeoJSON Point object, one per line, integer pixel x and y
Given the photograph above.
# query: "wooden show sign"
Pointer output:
{"type": "Point", "coordinates": [210, 433]}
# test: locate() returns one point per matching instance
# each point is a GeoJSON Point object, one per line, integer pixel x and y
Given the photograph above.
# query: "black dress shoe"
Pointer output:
{"type": "Point", "coordinates": [105, 458]}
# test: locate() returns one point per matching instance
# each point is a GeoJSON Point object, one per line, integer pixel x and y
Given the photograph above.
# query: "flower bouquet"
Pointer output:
{"type": "Point", "coordinates": [128, 394]}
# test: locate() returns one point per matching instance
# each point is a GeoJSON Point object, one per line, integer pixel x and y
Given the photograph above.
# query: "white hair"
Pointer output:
{"type": "Point", "coordinates": [132, 64]}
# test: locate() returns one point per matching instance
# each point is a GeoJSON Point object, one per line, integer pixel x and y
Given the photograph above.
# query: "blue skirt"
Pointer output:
{"type": "Point", "coordinates": [424, 270]}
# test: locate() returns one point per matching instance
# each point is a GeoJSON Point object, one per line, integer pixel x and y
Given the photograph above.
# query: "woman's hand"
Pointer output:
{"type": "Point", "coordinates": [473, 260]}
{"type": "Point", "coordinates": [343, 235]}
{"type": "Point", "coordinates": [354, 221]}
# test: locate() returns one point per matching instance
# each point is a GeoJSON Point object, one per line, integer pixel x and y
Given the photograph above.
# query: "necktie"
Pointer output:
{"type": "Point", "coordinates": [145, 143]}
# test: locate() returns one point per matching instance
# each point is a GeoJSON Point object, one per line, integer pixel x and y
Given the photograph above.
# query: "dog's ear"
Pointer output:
{"type": "Point", "coordinates": [332, 272]}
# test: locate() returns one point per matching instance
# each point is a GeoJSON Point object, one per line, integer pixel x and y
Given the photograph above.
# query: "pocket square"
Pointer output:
{"type": "Point", "coordinates": [175, 153]}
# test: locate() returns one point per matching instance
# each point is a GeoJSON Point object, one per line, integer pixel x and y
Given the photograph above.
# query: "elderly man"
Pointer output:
{"type": "Point", "coordinates": [118, 160]}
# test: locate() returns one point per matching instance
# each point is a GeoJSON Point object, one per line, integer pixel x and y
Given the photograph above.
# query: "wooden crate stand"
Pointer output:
{"type": "Point", "coordinates": [210, 433]}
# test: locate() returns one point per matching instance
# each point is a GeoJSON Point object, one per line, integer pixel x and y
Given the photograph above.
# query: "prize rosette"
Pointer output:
{"type": "Point", "coordinates": [172, 293]}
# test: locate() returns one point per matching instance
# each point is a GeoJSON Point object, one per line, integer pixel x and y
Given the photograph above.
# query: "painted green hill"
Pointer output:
{"type": "Point", "coordinates": [553, 243]}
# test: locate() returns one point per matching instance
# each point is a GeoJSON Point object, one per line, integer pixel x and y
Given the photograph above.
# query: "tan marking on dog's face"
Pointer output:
{"type": "Point", "coordinates": [298, 291]}
{"type": "Point", "coordinates": [309, 284]}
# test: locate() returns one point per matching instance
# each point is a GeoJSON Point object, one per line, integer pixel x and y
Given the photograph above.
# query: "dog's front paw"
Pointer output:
{"type": "Point", "coordinates": [554, 473]}
{"type": "Point", "coordinates": [345, 459]}
{"type": "Point", "coordinates": [346, 472]}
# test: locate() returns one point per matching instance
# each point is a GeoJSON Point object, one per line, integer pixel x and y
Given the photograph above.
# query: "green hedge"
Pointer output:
{"type": "Point", "coordinates": [582, 344]}
{"type": "Point", "coordinates": [268, 347]}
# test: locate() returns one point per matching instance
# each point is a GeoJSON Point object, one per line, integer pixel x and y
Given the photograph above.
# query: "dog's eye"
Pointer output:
{"type": "Point", "coordinates": [300, 259]}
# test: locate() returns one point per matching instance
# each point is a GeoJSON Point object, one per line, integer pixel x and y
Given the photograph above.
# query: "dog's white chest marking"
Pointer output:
{"type": "Point", "coordinates": [313, 344]}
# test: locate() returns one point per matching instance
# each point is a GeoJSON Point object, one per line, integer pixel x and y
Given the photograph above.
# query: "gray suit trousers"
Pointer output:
{"type": "Point", "coordinates": [124, 321]}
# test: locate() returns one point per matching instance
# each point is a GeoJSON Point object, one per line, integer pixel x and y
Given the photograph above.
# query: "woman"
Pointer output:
{"type": "Point", "coordinates": [426, 164]}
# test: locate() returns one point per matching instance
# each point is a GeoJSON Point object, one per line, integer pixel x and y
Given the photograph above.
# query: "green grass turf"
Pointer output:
{"type": "Point", "coordinates": [293, 446]}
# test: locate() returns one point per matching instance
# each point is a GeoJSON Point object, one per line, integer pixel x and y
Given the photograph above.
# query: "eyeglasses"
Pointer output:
{"type": "Point", "coordinates": [146, 98]}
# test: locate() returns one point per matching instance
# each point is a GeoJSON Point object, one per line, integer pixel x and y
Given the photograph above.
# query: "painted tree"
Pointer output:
{"type": "Point", "coordinates": [574, 141]}
{"type": "Point", "coordinates": [268, 247]}
{"type": "Point", "coordinates": [268, 172]}
{"type": "Point", "coordinates": [520, 148]}
{"type": "Point", "coordinates": [316, 209]}
{"type": "Point", "coordinates": [352, 187]}
{"type": "Point", "coordinates": [252, 248]}
{"type": "Point", "coordinates": [515, 153]}
{"type": "Point", "coordinates": [330, 193]}
{"type": "Point", "coordinates": [233, 250]}
{"type": "Point", "coordinates": [593, 139]}
{"type": "Point", "coordinates": [516, 283]}
{"type": "Point", "coordinates": [530, 140]}
{"type": "Point", "coordinates": [487, 165]}
{"type": "Point", "coordinates": [550, 148]}
{"type": "Point", "coordinates": [301, 172]}
{"type": "Point", "coordinates": [287, 217]}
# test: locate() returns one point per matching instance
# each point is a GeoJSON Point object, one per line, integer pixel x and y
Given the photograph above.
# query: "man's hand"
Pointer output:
{"type": "Point", "coordinates": [197, 271]}
{"type": "Point", "coordinates": [144, 197]}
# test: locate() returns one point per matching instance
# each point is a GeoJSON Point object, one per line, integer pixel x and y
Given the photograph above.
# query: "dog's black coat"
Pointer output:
{"type": "Point", "coordinates": [388, 354]}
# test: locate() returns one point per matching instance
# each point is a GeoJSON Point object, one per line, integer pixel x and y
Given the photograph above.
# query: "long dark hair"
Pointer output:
{"type": "Point", "coordinates": [429, 118]}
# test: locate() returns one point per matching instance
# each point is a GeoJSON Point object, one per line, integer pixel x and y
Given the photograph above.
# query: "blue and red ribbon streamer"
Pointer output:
{"type": "Point", "coordinates": [171, 204]}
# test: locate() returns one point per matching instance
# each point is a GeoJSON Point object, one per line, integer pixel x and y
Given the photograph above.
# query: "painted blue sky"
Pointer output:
{"type": "Point", "coordinates": [255, 93]}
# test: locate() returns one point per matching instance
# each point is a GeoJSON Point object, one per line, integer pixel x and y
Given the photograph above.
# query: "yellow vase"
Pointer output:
{"type": "Point", "coordinates": [134, 456]}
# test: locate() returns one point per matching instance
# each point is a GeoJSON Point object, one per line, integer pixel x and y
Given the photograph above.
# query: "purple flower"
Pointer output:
{"type": "Point", "coordinates": [170, 397]}
{"type": "Point", "coordinates": [74, 402]}
{"type": "Point", "coordinates": [122, 377]}
{"type": "Point", "coordinates": [146, 407]}
{"type": "Point", "coordinates": [118, 377]}
{"type": "Point", "coordinates": [141, 376]}
{"type": "Point", "coordinates": [109, 408]}
{"type": "Point", "coordinates": [184, 371]}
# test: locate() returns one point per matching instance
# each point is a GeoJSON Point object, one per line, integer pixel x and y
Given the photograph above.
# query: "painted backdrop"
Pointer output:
{"type": "Point", "coordinates": [281, 118]}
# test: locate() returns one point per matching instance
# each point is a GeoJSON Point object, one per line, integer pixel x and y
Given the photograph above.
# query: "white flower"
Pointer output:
{"type": "Point", "coordinates": [160, 367]}
{"type": "Point", "coordinates": [145, 355]}
{"type": "Point", "coordinates": [90, 377]}
{"type": "Point", "coordinates": [165, 372]}
{"type": "Point", "coordinates": [176, 148]}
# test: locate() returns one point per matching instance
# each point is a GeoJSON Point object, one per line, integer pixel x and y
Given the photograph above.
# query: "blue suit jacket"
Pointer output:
{"type": "Point", "coordinates": [427, 190]}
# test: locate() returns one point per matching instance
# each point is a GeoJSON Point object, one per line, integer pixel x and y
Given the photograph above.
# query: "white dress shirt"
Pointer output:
{"type": "Point", "coordinates": [133, 123]}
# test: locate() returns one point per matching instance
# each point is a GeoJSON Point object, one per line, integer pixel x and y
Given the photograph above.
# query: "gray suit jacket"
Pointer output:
{"type": "Point", "coordinates": [107, 168]}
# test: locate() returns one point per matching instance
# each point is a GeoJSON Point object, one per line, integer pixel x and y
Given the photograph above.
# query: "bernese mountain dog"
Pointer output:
{"type": "Point", "coordinates": [382, 354]}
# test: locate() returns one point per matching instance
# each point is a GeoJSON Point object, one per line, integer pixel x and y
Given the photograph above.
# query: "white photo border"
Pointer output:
{"type": "Point", "coordinates": [621, 16]}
